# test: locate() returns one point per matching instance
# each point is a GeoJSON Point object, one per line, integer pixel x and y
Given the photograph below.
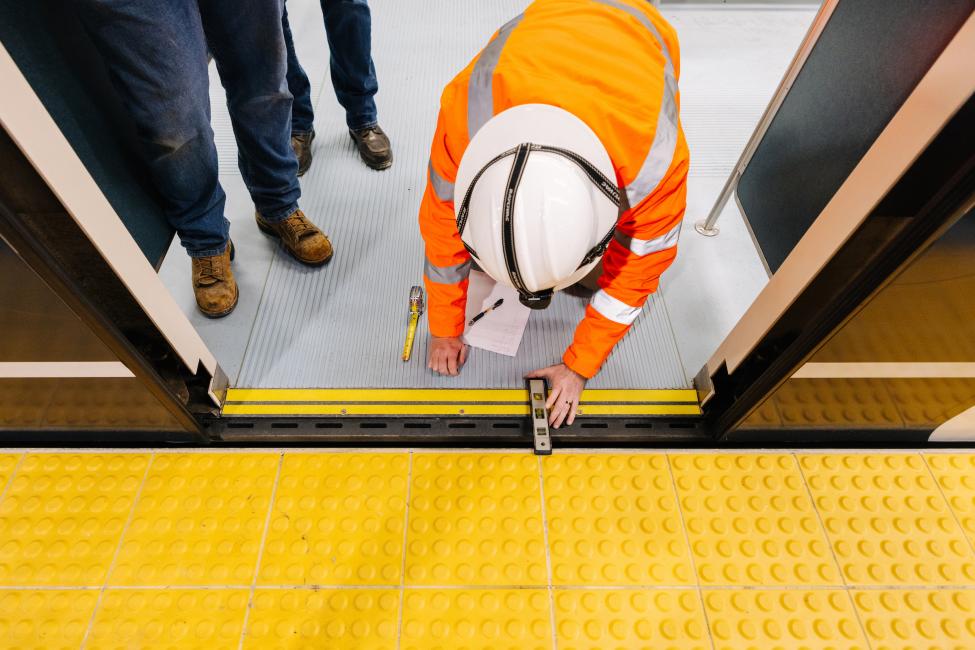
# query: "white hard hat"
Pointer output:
{"type": "Point", "coordinates": [538, 203]}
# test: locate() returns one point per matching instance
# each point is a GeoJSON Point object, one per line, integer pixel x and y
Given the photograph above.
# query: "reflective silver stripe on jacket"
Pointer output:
{"type": "Point", "coordinates": [643, 247]}
{"type": "Point", "coordinates": [480, 94]}
{"type": "Point", "coordinates": [443, 188]}
{"type": "Point", "coordinates": [447, 274]}
{"type": "Point", "coordinates": [661, 153]}
{"type": "Point", "coordinates": [613, 309]}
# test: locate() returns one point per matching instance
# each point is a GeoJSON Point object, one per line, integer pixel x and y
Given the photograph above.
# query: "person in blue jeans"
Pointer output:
{"type": "Point", "coordinates": [348, 27]}
{"type": "Point", "coordinates": [156, 56]}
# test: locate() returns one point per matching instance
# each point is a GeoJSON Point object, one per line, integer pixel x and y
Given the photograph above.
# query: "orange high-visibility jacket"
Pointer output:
{"type": "Point", "coordinates": [614, 64]}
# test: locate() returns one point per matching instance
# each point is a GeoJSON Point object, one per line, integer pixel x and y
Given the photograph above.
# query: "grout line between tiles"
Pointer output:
{"type": "Point", "coordinates": [13, 473]}
{"type": "Point", "coordinates": [819, 518]}
{"type": "Point", "coordinates": [118, 550]}
{"type": "Point", "coordinates": [260, 550]}
{"type": "Point", "coordinates": [954, 515]}
{"type": "Point", "coordinates": [402, 571]}
{"type": "Point", "coordinates": [548, 554]}
{"type": "Point", "coordinates": [832, 549]}
{"type": "Point", "coordinates": [690, 550]}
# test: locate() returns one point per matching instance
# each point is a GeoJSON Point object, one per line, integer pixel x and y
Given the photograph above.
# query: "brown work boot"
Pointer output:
{"type": "Point", "coordinates": [374, 147]}
{"type": "Point", "coordinates": [301, 237]}
{"type": "Point", "coordinates": [214, 284]}
{"type": "Point", "coordinates": [301, 143]}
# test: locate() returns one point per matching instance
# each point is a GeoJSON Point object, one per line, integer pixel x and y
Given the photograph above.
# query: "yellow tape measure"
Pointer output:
{"type": "Point", "coordinates": [416, 308]}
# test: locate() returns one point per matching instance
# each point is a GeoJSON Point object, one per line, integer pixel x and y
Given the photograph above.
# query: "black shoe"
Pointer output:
{"type": "Point", "coordinates": [301, 143]}
{"type": "Point", "coordinates": [374, 147]}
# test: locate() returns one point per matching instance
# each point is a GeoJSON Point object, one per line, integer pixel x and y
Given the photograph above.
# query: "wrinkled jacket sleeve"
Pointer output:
{"type": "Point", "coordinates": [447, 263]}
{"type": "Point", "coordinates": [644, 246]}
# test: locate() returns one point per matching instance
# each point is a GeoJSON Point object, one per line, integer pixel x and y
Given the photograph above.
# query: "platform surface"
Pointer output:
{"type": "Point", "coordinates": [480, 549]}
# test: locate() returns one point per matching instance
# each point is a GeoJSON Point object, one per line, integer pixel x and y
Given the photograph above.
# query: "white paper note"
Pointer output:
{"type": "Point", "coordinates": [501, 330]}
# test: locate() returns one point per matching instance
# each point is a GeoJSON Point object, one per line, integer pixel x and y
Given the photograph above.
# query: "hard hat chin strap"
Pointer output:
{"type": "Point", "coordinates": [535, 299]}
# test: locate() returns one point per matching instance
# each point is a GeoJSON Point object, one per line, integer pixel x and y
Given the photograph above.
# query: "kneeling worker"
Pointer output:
{"type": "Point", "coordinates": [558, 148]}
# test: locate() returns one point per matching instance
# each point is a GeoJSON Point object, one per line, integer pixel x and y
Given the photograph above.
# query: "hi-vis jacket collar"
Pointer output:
{"type": "Point", "coordinates": [539, 299]}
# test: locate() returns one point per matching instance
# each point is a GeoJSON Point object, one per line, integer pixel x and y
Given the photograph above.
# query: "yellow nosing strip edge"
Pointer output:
{"type": "Point", "coordinates": [453, 402]}
{"type": "Point", "coordinates": [443, 395]}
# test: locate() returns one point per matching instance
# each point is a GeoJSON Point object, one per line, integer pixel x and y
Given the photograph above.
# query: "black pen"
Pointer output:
{"type": "Point", "coordinates": [483, 313]}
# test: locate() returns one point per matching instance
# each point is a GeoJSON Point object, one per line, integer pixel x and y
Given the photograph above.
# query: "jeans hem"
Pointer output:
{"type": "Point", "coordinates": [300, 132]}
{"type": "Point", "coordinates": [211, 252]}
{"type": "Point", "coordinates": [279, 215]}
{"type": "Point", "coordinates": [369, 124]}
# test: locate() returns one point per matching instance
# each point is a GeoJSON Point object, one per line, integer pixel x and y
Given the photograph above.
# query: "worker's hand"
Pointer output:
{"type": "Point", "coordinates": [447, 355]}
{"type": "Point", "coordinates": [566, 389]}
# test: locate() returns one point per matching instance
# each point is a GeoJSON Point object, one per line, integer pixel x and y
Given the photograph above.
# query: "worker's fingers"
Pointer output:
{"type": "Point", "coordinates": [452, 363]}
{"type": "Point", "coordinates": [439, 364]}
{"type": "Point", "coordinates": [463, 355]}
{"type": "Point", "coordinates": [553, 396]}
{"type": "Point", "coordinates": [573, 408]}
{"type": "Point", "coordinates": [541, 373]}
{"type": "Point", "coordinates": [558, 414]}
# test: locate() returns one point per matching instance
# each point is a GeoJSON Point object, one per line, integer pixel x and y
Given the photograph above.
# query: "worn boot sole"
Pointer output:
{"type": "Point", "coordinates": [269, 231]}
{"type": "Point", "coordinates": [378, 166]}
{"type": "Point", "coordinates": [220, 314]}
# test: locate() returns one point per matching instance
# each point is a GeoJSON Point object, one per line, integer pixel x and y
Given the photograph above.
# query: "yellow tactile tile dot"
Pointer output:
{"type": "Point", "coordinates": [936, 619]}
{"type": "Point", "coordinates": [63, 515]}
{"type": "Point", "coordinates": [209, 619]}
{"type": "Point", "coordinates": [630, 619]}
{"type": "Point", "coordinates": [750, 521]}
{"type": "Point", "coordinates": [45, 620]}
{"type": "Point", "coordinates": [199, 521]}
{"type": "Point", "coordinates": [887, 521]}
{"type": "Point", "coordinates": [337, 619]}
{"type": "Point", "coordinates": [475, 519]}
{"type": "Point", "coordinates": [476, 619]}
{"type": "Point", "coordinates": [338, 519]}
{"type": "Point", "coordinates": [613, 520]}
{"type": "Point", "coordinates": [955, 474]}
{"type": "Point", "coordinates": [8, 462]}
{"type": "Point", "coordinates": [783, 620]}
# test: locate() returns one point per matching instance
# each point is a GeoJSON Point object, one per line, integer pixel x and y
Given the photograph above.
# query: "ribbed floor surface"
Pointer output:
{"type": "Point", "coordinates": [399, 549]}
{"type": "Point", "coordinates": [344, 325]}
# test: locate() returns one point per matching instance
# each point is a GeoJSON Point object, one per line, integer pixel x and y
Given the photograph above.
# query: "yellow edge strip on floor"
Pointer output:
{"type": "Point", "coordinates": [449, 409]}
{"type": "Point", "coordinates": [387, 395]}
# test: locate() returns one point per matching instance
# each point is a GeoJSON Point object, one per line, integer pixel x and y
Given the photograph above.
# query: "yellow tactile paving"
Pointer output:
{"type": "Point", "coordinates": [887, 521]}
{"type": "Point", "coordinates": [750, 521]}
{"type": "Point", "coordinates": [8, 462]}
{"type": "Point", "coordinates": [955, 474]}
{"type": "Point", "coordinates": [476, 619]}
{"type": "Point", "coordinates": [208, 619]}
{"type": "Point", "coordinates": [783, 620]}
{"type": "Point", "coordinates": [337, 619]}
{"type": "Point", "coordinates": [62, 516]}
{"type": "Point", "coordinates": [633, 619]}
{"type": "Point", "coordinates": [338, 519]}
{"type": "Point", "coordinates": [199, 520]}
{"type": "Point", "coordinates": [475, 519]}
{"type": "Point", "coordinates": [185, 531]}
{"type": "Point", "coordinates": [613, 520]}
{"type": "Point", "coordinates": [935, 619]}
{"type": "Point", "coordinates": [45, 620]}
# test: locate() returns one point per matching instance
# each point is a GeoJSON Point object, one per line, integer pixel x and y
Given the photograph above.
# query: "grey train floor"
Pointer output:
{"type": "Point", "coordinates": [343, 325]}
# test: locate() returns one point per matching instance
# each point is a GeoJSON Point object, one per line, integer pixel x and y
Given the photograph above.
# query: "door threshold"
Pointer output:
{"type": "Point", "coordinates": [466, 417]}
{"type": "Point", "coordinates": [464, 403]}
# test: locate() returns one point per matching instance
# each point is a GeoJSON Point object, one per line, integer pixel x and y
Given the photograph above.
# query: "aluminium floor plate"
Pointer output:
{"type": "Point", "coordinates": [344, 325]}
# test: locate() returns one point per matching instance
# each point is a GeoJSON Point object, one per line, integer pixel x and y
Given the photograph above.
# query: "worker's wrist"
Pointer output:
{"type": "Point", "coordinates": [447, 332]}
{"type": "Point", "coordinates": [576, 365]}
